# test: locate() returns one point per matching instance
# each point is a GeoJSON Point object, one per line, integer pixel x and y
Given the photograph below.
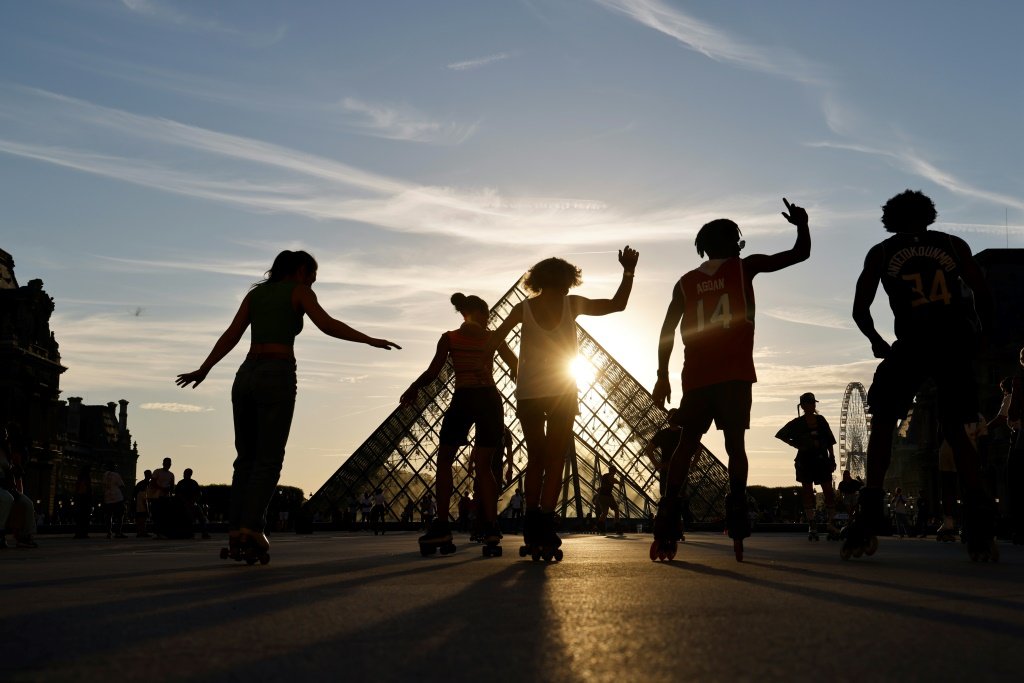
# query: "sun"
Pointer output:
{"type": "Point", "coordinates": [583, 370]}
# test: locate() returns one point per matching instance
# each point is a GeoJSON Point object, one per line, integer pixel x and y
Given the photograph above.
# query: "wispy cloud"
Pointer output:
{"type": "Point", "coordinates": [479, 62]}
{"type": "Point", "coordinates": [912, 162]}
{"type": "Point", "coordinates": [265, 177]}
{"type": "Point", "coordinates": [403, 123]}
{"type": "Point", "coordinates": [174, 407]}
{"type": "Point", "coordinates": [840, 117]}
{"type": "Point", "coordinates": [817, 317]}
{"type": "Point", "coordinates": [167, 13]}
{"type": "Point", "coordinates": [715, 43]}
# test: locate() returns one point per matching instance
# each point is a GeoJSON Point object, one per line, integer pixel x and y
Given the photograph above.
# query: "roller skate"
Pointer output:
{"type": "Point", "coordinates": [255, 547]}
{"type": "Point", "coordinates": [492, 541]}
{"type": "Point", "coordinates": [980, 529]}
{"type": "Point", "coordinates": [438, 537]}
{"type": "Point", "coordinates": [737, 521]}
{"type": "Point", "coordinates": [945, 534]}
{"type": "Point", "coordinates": [834, 533]}
{"type": "Point", "coordinates": [862, 532]}
{"type": "Point", "coordinates": [234, 548]}
{"type": "Point", "coordinates": [531, 527]}
{"type": "Point", "coordinates": [539, 537]}
{"type": "Point", "coordinates": [667, 531]}
{"type": "Point", "coordinates": [812, 532]}
{"type": "Point", "coordinates": [549, 539]}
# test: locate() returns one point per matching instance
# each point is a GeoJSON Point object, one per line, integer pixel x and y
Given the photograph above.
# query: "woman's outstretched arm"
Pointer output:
{"type": "Point", "coordinates": [335, 328]}
{"type": "Point", "coordinates": [430, 374]}
{"type": "Point", "coordinates": [515, 316]}
{"type": "Point", "coordinates": [223, 347]}
{"type": "Point", "coordinates": [510, 359]}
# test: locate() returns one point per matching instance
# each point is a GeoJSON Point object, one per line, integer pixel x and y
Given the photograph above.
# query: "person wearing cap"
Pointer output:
{"type": "Point", "coordinates": [815, 460]}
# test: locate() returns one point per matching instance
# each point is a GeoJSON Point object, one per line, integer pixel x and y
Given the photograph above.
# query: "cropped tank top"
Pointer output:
{"type": "Point", "coordinates": [472, 363]}
{"type": "Point", "coordinates": [271, 315]}
{"type": "Point", "coordinates": [546, 356]}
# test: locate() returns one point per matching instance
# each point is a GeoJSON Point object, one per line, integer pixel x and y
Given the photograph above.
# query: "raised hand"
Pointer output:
{"type": "Point", "coordinates": [628, 258]}
{"type": "Point", "coordinates": [797, 215]}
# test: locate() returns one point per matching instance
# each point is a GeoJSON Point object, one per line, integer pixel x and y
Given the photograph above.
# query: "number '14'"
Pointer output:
{"type": "Point", "coordinates": [720, 316]}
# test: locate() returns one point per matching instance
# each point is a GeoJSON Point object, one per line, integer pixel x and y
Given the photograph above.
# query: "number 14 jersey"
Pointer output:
{"type": "Point", "coordinates": [717, 325]}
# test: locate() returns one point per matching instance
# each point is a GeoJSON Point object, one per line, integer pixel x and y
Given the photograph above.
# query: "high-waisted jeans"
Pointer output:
{"type": "Point", "coordinates": [262, 401]}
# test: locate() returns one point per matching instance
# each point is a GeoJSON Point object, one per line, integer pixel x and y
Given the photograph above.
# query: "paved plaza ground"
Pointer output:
{"type": "Point", "coordinates": [354, 607]}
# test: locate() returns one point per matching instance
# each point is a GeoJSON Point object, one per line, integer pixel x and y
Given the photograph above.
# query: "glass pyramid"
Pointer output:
{"type": "Point", "coordinates": [617, 419]}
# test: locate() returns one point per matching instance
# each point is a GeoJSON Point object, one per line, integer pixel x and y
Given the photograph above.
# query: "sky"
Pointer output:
{"type": "Point", "coordinates": [156, 155]}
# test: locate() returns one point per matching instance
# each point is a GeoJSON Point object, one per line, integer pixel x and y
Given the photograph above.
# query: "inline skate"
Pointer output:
{"type": "Point", "coordinates": [737, 521]}
{"type": "Point", "coordinates": [980, 529]}
{"type": "Point", "coordinates": [667, 530]}
{"type": "Point", "coordinates": [862, 532]}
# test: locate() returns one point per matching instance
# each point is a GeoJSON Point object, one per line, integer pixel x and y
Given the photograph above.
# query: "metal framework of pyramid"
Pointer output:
{"type": "Point", "coordinates": [617, 419]}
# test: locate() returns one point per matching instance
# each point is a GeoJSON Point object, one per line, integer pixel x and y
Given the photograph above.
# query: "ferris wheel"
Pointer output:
{"type": "Point", "coordinates": [854, 430]}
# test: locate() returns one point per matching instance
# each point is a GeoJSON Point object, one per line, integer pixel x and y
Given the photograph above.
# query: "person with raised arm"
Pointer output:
{"type": "Point", "coordinates": [713, 307]}
{"type": "Point", "coordinates": [546, 392]}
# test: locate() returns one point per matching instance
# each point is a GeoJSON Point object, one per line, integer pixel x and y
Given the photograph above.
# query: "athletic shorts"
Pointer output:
{"type": "Point", "coordinates": [900, 375]}
{"type": "Point", "coordinates": [480, 406]}
{"type": "Point", "coordinates": [727, 404]}
{"type": "Point", "coordinates": [813, 467]}
{"type": "Point", "coordinates": [566, 406]}
{"type": "Point", "coordinates": [604, 502]}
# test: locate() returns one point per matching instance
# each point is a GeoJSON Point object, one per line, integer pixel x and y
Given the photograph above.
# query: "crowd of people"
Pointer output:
{"type": "Point", "coordinates": [158, 502]}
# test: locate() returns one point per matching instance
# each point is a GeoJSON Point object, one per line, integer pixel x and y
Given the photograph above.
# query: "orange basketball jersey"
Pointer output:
{"type": "Point", "coordinates": [717, 325]}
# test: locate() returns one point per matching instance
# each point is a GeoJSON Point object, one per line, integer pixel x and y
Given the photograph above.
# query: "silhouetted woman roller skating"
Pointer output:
{"type": "Point", "coordinates": [546, 391]}
{"type": "Point", "coordinates": [476, 401]}
{"type": "Point", "coordinates": [263, 393]}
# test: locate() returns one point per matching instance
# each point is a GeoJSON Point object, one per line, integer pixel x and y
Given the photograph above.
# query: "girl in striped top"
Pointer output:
{"type": "Point", "coordinates": [476, 401]}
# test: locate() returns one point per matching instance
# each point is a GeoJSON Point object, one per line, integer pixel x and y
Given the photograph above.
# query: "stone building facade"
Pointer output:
{"type": "Point", "coordinates": [58, 437]}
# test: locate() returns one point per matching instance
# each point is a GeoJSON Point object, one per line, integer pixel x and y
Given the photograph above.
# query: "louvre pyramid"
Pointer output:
{"type": "Point", "coordinates": [617, 419]}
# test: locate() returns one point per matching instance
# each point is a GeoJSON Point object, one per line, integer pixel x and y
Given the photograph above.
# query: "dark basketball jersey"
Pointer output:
{"type": "Point", "coordinates": [921, 273]}
{"type": "Point", "coordinates": [717, 326]}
